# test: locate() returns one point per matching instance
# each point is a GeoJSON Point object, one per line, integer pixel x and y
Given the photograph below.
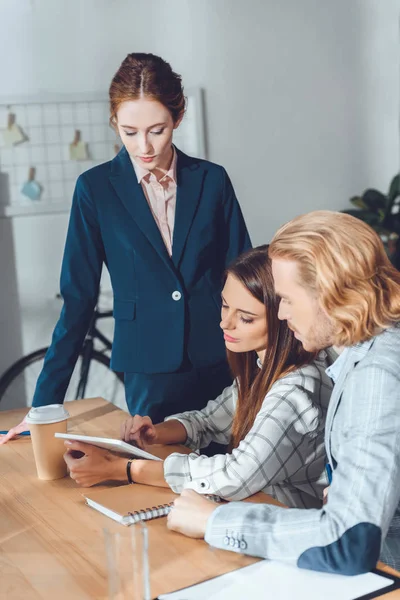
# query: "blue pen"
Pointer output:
{"type": "Point", "coordinates": [328, 470]}
{"type": "Point", "coordinates": [22, 433]}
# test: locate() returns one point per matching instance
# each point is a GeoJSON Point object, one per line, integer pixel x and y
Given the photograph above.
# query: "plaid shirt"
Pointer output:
{"type": "Point", "coordinates": [283, 454]}
{"type": "Point", "coordinates": [361, 520]}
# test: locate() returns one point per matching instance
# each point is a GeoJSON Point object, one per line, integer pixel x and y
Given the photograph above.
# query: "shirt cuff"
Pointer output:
{"type": "Point", "coordinates": [190, 442]}
{"type": "Point", "coordinates": [216, 527]}
{"type": "Point", "coordinates": [177, 471]}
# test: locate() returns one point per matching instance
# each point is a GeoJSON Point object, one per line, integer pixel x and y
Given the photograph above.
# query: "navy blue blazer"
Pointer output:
{"type": "Point", "coordinates": [165, 308]}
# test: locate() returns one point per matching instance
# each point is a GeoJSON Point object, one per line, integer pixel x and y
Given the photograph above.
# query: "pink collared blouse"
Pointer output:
{"type": "Point", "coordinates": [161, 196]}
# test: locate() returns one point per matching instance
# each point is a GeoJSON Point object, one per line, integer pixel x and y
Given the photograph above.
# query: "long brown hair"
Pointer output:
{"type": "Point", "coordinates": [147, 76]}
{"type": "Point", "coordinates": [283, 352]}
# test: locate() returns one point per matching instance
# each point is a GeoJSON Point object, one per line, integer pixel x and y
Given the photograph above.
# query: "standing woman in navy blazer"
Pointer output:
{"type": "Point", "coordinates": [166, 225]}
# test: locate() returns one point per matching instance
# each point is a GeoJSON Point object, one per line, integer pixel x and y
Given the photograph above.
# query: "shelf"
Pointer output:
{"type": "Point", "coordinates": [35, 209]}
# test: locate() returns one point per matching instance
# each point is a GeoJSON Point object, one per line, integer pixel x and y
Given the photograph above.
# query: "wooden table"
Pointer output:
{"type": "Point", "coordinates": [52, 544]}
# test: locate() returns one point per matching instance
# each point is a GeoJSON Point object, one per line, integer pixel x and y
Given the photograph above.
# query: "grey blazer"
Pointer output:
{"type": "Point", "coordinates": [361, 521]}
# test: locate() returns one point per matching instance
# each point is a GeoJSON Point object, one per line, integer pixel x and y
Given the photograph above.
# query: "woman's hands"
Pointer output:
{"type": "Point", "coordinates": [139, 431]}
{"type": "Point", "coordinates": [142, 432]}
{"type": "Point", "coordinates": [14, 431]}
{"type": "Point", "coordinates": [95, 464]}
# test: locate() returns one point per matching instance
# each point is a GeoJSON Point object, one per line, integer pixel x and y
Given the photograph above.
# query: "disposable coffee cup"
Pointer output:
{"type": "Point", "coordinates": [44, 422]}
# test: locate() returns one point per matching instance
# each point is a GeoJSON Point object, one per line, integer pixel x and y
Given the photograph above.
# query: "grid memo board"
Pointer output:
{"type": "Point", "coordinates": [49, 127]}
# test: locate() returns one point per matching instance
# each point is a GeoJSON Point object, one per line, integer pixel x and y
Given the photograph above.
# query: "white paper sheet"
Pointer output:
{"type": "Point", "coordinates": [271, 579]}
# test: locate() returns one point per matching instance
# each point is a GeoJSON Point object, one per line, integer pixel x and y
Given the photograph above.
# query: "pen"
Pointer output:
{"type": "Point", "coordinates": [22, 433]}
{"type": "Point", "coordinates": [328, 470]}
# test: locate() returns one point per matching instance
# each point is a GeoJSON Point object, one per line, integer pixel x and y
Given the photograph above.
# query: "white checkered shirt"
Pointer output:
{"type": "Point", "coordinates": [283, 454]}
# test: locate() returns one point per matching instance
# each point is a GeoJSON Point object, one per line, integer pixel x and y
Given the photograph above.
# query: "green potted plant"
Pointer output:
{"type": "Point", "coordinates": [382, 213]}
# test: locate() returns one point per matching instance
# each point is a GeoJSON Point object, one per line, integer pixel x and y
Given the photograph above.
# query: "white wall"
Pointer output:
{"type": "Point", "coordinates": [302, 105]}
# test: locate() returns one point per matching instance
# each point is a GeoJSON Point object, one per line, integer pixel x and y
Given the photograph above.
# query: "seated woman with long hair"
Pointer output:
{"type": "Point", "coordinates": [272, 417]}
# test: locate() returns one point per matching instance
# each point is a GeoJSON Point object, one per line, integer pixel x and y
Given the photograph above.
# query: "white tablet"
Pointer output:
{"type": "Point", "coordinates": [108, 443]}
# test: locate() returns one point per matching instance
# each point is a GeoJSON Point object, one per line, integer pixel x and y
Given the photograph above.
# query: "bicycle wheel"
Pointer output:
{"type": "Point", "coordinates": [17, 385]}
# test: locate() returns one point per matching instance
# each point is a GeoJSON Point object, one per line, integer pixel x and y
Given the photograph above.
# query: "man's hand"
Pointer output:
{"type": "Point", "coordinates": [23, 426]}
{"type": "Point", "coordinates": [95, 465]}
{"type": "Point", "coordinates": [190, 513]}
{"type": "Point", "coordinates": [139, 430]}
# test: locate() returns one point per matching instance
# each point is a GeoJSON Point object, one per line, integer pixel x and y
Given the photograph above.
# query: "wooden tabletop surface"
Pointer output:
{"type": "Point", "coordinates": [52, 544]}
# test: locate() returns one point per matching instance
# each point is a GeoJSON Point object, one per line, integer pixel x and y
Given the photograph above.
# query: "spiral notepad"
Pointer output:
{"type": "Point", "coordinates": [129, 504]}
{"type": "Point", "coordinates": [151, 513]}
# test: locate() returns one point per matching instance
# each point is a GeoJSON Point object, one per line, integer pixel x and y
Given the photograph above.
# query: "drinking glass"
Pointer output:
{"type": "Point", "coordinates": [127, 553]}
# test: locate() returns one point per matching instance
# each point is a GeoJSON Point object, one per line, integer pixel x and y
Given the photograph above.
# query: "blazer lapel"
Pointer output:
{"type": "Point", "coordinates": [335, 400]}
{"type": "Point", "coordinates": [190, 176]}
{"type": "Point", "coordinates": [129, 190]}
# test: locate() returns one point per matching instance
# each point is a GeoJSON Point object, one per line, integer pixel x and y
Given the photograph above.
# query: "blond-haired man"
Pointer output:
{"type": "Point", "coordinates": [338, 291]}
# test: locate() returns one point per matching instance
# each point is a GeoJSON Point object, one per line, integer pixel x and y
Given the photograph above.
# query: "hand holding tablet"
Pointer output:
{"type": "Point", "coordinates": [113, 445]}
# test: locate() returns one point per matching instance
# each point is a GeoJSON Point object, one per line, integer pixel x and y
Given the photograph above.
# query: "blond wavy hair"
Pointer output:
{"type": "Point", "coordinates": [343, 262]}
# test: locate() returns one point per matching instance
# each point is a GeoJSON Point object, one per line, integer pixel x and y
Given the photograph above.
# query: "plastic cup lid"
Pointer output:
{"type": "Point", "coordinates": [43, 415]}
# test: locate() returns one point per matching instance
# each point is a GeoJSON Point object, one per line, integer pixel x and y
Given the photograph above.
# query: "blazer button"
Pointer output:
{"type": "Point", "coordinates": [176, 295]}
{"type": "Point", "coordinates": [204, 485]}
